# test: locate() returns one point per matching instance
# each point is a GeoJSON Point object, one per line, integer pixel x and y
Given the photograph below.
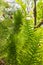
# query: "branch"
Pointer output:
{"type": "Point", "coordinates": [41, 23]}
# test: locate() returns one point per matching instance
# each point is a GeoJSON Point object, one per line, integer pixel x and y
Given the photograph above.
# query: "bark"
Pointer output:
{"type": "Point", "coordinates": [34, 12]}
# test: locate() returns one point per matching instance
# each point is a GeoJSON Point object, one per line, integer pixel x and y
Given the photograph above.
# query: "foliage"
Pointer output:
{"type": "Point", "coordinates": [20, 43]}
{"type": "Point", "coordinates": [40, 10]}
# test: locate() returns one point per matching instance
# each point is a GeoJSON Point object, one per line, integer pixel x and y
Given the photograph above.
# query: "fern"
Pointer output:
{"type": "Point", "coordinates": [22, 46]}
{"type": "Point", "coordinates": [12, 53]}
{"type": "Point", "coordinates": [28, 53]}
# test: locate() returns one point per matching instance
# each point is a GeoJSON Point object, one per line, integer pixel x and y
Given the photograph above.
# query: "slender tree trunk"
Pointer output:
{"type": "Point", "coordinates": [34, 13]}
